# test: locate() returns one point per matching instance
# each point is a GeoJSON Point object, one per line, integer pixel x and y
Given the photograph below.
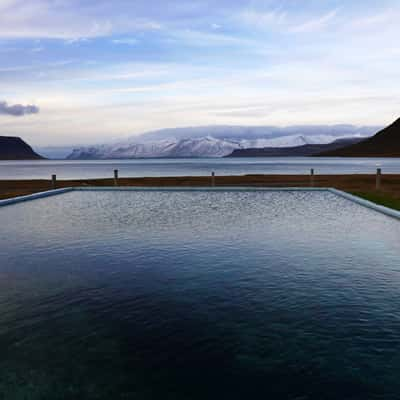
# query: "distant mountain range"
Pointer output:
{"type": "Point", "coordinates": [234, 141]}
{"type": "Point", "coordinates": [386, 143]}
{"type": "Point", "coordinates": [306, 150]}
{"type": "Point", "coordinates": [218, 141]}
{"type": "Point", "coordinates": [14, 148]}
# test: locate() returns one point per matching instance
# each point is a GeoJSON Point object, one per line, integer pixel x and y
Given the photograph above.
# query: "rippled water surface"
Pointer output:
{"type": "Point", "coordinates": [198, 295]}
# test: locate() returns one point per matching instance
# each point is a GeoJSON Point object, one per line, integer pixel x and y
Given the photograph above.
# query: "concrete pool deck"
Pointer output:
{"type": "Point", "coordinates": [358, 200]}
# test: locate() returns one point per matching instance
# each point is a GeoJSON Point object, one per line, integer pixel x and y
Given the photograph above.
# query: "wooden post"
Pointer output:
{"type": "Point", "coordinates": [312, 177]}
{"type": "Point", "coordinates": [54, 181]}
{"type": "Point", "coordinates": [378, 178]}
{"type": "Point", "coordinates": [115, 177]}
{"type": "Point", "coordinates": [213, 178]}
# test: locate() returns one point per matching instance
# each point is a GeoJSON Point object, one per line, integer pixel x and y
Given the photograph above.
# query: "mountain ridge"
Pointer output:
{"type": "Point", "coordinates": [385, 143]}
{"type": "Point", "coordinates": [305, 150]}
{"type": "Point", "coordinates": [14, 148]}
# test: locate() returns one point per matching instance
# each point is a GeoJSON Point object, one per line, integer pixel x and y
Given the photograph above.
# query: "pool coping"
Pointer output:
{"type": "Point", "coordinates": [39, 195]}
{"type": "Point", "coordinates": [365, 203]}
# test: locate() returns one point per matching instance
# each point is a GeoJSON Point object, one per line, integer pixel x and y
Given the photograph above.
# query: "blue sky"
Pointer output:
{"type": "Point", "coordinates": [100, 70]}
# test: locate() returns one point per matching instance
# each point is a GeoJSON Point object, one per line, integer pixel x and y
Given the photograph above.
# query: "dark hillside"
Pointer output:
{"type": "Point", "coordinates": [14, 148]}
{"type": "Point", "coordinates": [385, 143]}
{"type": "Point", "coordinates": [297, 151]}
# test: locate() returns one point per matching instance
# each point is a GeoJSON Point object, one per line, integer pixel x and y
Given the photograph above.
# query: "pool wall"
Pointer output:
{"type": "Point", "coordinates": [20, 199]}
{"type": "Point", "coordinates": [369, 204]}
{"type": "Point", "coordinates": [365, 203]}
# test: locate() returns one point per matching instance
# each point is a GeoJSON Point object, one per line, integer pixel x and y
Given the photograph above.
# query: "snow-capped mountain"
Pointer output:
{"type": "Point", "coordinates": [201, 147]}
{"type": "Point", "coordinates": [220, 142]}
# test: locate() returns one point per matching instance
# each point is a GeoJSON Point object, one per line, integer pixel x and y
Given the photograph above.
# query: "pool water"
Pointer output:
{"type": "Point", "coordinates": [198, 295]}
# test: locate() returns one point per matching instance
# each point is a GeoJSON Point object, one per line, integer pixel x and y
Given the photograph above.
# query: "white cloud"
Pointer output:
{"type": "Point", "coordinates": [378, 20]}
{"type": "Point", "coordinates": [263, 20]}
{"type": "Point", "coordinates": [127, 41]}
{"type": "Point", "coordinates": [76, 40]}
{"type": "Point", "coordinates": [282, 20]}
{"type": "Point", "coordinates": [315, 24]}
{"type": "Point", "coordinates": [63, 20]}
{"type": "Point", "coordinates": [206, 39]}
{"type": "Point", "coordinates": [37, 49]}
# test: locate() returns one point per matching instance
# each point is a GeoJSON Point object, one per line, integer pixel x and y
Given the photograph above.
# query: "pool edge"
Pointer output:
{"type": "Point", "coordinates": [34, 196]}
{"type": "Point", "coordinates": [390, 212]}
{"type": "Point", "coordinates": [198, 188]}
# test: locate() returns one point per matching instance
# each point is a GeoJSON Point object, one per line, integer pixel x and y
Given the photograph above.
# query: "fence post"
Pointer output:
{"type": "Point", "coordinates": [54, 181]}
{"type": "Point", "coordinates": [115, 177]}
{"type": "Point", "coordinates": [312, 177]}
{"type": "Point", "coordinates": [213, 178]}
{"type": "Point", "coordinates": [378, 179]}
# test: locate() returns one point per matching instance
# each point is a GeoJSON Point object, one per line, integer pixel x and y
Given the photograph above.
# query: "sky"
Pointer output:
{"type": "Point", "coordinates": [82, 72]}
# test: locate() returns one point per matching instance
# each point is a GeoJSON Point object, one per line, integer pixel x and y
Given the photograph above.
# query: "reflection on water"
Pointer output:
{"type": "Point", "coordinates": [198, 295]}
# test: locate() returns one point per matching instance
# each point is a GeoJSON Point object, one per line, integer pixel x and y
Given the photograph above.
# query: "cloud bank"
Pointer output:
{"type": "Point", "coordinates": [17, 110]}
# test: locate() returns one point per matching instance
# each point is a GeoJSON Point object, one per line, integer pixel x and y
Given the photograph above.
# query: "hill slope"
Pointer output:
{"type": "Point", "coordinates": [295, 151]}
{"type": "Point", "coordinates": [386, 143]}
{"type": "Point", "coordinates": [14, 148]}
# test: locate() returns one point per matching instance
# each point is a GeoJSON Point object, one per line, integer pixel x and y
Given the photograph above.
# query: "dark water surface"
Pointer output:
{"type": "Point", "coordinates": [194, 167]}
{"type": "Point", "coordinates": [198, 295]}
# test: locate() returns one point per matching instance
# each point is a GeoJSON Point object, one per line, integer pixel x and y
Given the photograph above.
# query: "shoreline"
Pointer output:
{"type": "Point", "coordinates": [360, 184]}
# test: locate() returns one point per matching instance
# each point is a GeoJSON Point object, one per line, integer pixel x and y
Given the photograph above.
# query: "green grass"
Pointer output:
{"type": "Point", "coordinates": [382, 199]}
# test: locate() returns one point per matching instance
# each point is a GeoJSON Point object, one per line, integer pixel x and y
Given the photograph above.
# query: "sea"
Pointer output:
{"type": "Point", "coordinates": [79, 169]}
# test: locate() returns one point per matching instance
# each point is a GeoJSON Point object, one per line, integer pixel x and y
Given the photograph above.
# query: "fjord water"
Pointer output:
{"type": "Point", "coordinates": [66, 169]}
{"type": "Point", "coordinates": [198, 295]}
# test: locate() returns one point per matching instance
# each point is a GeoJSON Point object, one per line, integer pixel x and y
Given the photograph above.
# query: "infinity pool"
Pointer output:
{"type": "Point", "coordinates": [198, 295]}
